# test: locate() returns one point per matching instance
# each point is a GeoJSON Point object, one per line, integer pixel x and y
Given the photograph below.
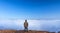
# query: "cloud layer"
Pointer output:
{"type": "Point", "coordinates": [48, 25]}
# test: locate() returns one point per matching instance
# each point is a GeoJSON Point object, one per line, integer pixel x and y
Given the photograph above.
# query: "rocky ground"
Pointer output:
{"type": "Point", "coordinates": [21, 31]}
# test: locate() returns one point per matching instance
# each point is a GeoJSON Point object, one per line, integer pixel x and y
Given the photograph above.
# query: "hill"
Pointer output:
{"type": "Point", "coordinates": [22, 31]}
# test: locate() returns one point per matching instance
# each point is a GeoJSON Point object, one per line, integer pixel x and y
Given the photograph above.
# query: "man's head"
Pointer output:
{"type": "Point", "coordinates": [25, 20]}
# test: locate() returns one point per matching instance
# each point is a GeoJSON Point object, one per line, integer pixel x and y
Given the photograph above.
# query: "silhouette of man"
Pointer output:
{"type": "Point", "coordinates": [26, 25]}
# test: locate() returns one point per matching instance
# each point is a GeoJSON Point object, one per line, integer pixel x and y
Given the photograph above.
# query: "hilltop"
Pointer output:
{"type": "Point", "coordinates": [22, 31]}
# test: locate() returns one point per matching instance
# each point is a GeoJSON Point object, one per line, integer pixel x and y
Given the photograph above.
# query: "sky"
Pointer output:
{"type": "Point", "coordinates": [12, 10]}
{"type": "Point", "coordinates": [29, 9]}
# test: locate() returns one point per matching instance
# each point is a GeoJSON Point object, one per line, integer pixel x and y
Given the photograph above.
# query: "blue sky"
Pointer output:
{"type": "Point", "coordinates": [11, 11]}
{"type": "Point", "coordinates": [29, 9]}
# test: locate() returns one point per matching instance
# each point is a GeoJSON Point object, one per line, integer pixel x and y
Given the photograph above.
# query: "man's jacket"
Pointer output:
{"type": "Point", "coordinates": [25, 24]}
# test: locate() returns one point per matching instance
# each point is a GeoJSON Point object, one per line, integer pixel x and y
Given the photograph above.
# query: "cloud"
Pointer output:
{"type": "Point", "coordinates": [49, 25]}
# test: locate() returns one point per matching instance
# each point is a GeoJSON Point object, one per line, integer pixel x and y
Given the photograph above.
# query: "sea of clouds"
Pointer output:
{"type": "Point", "coordinates": [18, 24]}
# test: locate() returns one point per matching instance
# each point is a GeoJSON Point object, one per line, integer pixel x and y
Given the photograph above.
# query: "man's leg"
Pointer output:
{"type": "Point", "coordinates": [26, 29]}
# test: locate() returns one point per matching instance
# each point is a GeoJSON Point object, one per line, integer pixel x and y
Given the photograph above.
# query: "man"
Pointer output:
{"type": "Point", "coordinates": [26, 25]}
